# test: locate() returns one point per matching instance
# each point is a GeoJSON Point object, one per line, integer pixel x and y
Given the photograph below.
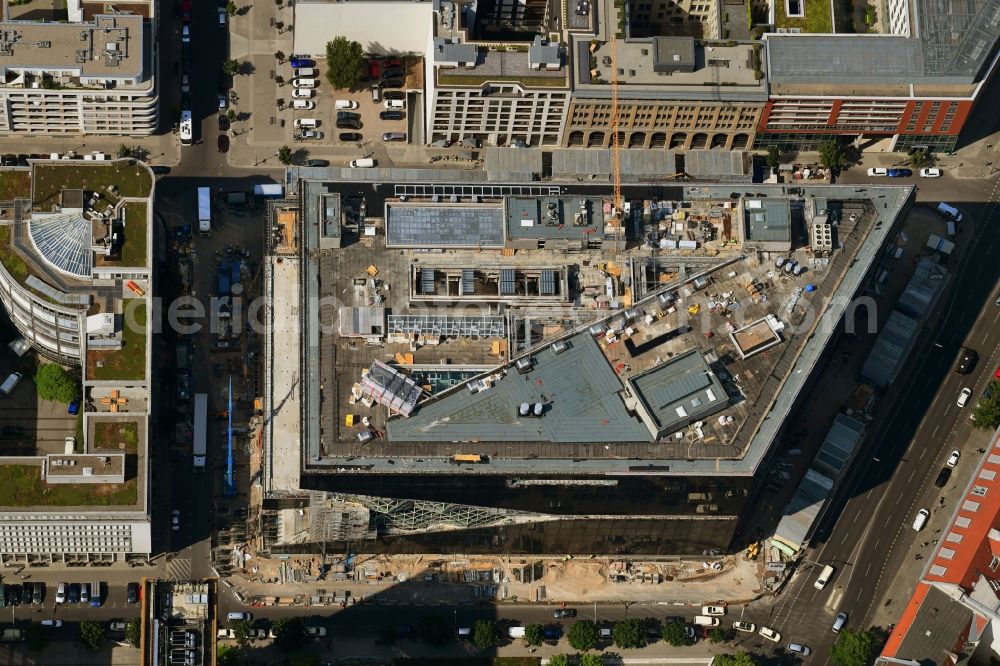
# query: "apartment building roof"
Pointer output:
{"type": "Point", "coordinates": [681, 390]}
{"type": "Point", "coordinates": [111, 47]}
{"type": "Point", "coordinates": [492, 65]}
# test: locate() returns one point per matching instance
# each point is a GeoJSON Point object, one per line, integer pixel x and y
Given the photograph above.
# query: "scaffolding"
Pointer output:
{"type": "Point", "coordinates": [447, 326]}
{"type": "Point", "coordinates": [399, 515]}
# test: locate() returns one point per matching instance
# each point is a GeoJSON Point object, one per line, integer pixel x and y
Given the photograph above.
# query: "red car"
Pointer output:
{"type": "Point", "coordinates": [373, 70]}
{"type": "Point", "coordinates": [996, 373]}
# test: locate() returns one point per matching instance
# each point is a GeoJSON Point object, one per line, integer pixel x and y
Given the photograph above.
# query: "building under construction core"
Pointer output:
{"type": "Point", "coordinates": [546, 374]}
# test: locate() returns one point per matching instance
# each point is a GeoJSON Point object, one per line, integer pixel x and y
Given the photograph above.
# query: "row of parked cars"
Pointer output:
{"type": "Point", "coordinates": [926, 172]}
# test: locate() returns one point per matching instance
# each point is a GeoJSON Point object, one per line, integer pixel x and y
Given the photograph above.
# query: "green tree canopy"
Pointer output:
{"type": "Point", "coordinates": [773, 157]}
{"type": "Point", "coordinates": [285, 155]}
{"type": "Point", "coordinates": [675, 633]}
{"type": "Point", "coordinates": [227, 655]}
{"type": "Point", "coordinates": [583, 635]}
{"type": "Point", "coordinates": [832, 156]}
{"type": "Point", "coordinates": [345, 63]}
{"type": "Point", "coordinates": [853, 648]}
{"type": "Point", "coordinates": [628, 634]}
{"type": "Point", "coordinates": [591, 659]}
{"type": "Point", "coordinates": [559, 660]}
{"type": "Point", "coordinates": [132, 632]}
{"type": "Point", "coordinates": [290, 633]}
{"type": "Point", "coordinates": [738, 659]}
{"type": "Point", "coordinates": [241, 630]}
{"type": "Point", "coordinates": [92, 634]}
{"type": "Point", "coordinates": [484, 634]}
{"type": "Point", "coordinates": [55, 383]}
{"type": "Point", "coordinates": [231, 8]}
{"type": "Point", "coordinates": [533, 634]}
{"type": "Point", "coordinates": [435, 629]}
{"type": "Point", "coordinates": [986, 413]}
{"type": "Point", "coordinates": [231, 67]}
{"type": "Point", "coordinates": [36, 637]}
{"type": "Point", "coordinates": [719, 635]}
{"type": "Point", "coordinates": [919, 158]}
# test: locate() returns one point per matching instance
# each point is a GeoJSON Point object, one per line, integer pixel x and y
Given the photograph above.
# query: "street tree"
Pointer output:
{"type": "Point", "coordinates": [559, 660]}
{"type": "Point", "coordinates": [591, 659]}
{"type": "Point", "coordinates": [675, 633]}
{"type": "Point", "coordinates": [92, 634]}
{"type": "Point", "coordinates": [719, 635]}
{"type": "Point", "coordinates": [55, 383]}
{"type": "Point", "coordinates": [132, 630]}
{"type": "Point", "coordinates": [231, 8]}
{"type": "Point", "coordinates": [280, 80]}
{"type": "Point", "coordinates": [290, 633]}
{"type": "Point", "coordinates": [773, 157]}
{"type": "Point", "coordinates": [231, 115]}
{"type": "Point", "coordinates": [124, 151]}
{"type": "Point", "coordinates": [36, 637]}
{"type": "Point", "coordinates": [628, 634]}
{"type": "Point", "coordinates": [345, 63]}
{"type": "Point", "coordinates": [533, 634]}
{"type": "Point", "coordinates": [853, 648]}
{"type": "Point", "coordinates": [231, 67]}
{"type": "Point", "coordinates": [919, 158]}
{"type": "Point", "coordinates": [986, 413]}
{"type": "Point", "coordinates": [227, 655]}
{"type": "Point", "coordinates": [832, 156]}
{"type": "Point", "coordinates": [241, 631]}
{"type": "Point", "coordinates": [737, 659]}
{"type": "Point", "coordinates": [582, 635]}
{"type": "Point", "coordinates": [435, 629]}
{"type": "Point", "coordinates": [485, 634]}
{"type": "Point", "coordinates": [285, 155]}
{"type": "Point", "coordinates": [281, 102]}
{"type": "Point", "coordinates": [279, 56]}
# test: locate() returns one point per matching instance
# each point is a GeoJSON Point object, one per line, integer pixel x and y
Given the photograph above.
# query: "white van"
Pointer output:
{"type": "Point", "coordinates": [345, 105]}
{"type": "Point", "coordinates": [949, 211]}
{"type": "Point", "coordinates": [921, 519]}
{"type": "Point", "coordinates": [824, 577]}
{"type": "Point", "coordinates": [236, 615]}
{"type": "Point", "coordinates": [465, 632]}
{"type": "Point", "coordinates": [703, 621]}
{"type": "Point", "coordinates": [363, 163]}
{"type": "Point", "coordinates": [516, 632]}
{"type": "Point", "coordinates": [308, 123]}
{"type": "Point", "coordinates": [304, 73]}
{"type": "Point", "coordinates": [306, 104]}
{"type": "Point", "coordinates": [304, 83]}
{"type": "Point", "coordinates": [10, 383]}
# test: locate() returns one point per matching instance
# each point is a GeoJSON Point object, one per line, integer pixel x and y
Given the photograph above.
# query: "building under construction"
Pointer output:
{"type": "Point", "coordinates": [474, 392]}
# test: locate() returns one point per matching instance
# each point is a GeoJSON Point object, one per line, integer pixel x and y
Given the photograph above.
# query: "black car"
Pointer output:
{"type": "Point", "coordinates": [349, 136]}
{"type": "Point", "coordinates": [223, 143]}
{"type": "Point", "coordinates": [8, 160]}
{"type": "Point", "coordinates": [73, 593]}
{"type": "Point", "coordinates": [392, 83]}
{"type": "Point", "coordinates": [966, 361]}
{"type": "Point", "coordinates": [348, 123]}
{"type": "Point", "coordinates": [132, 595]}
{"type": "Point", "coordinates": [318, 163]}
{"type": "Point", "coordinates": [391, 115]}
{"type": "Point", "coordinates": [13, 595]}
{"type": "Point", "coordinates": [13, 431]}
{"type": "Point", "coordinates": [393, 73]}
{"type": "Point", "coordinates": [564, 612]}
{"type": "Point", "coordinates": [22, 160]}
{"type": "Point", "coordinates": [160, 170]}
{"type": "Point", "coordinates": [394, 94]}
{"type": "Point", "coordinates": [942, 477]}
{"type": "Point", "coordinates": [38, 593]}
{"type": "Point", "coordinates": [223, 123]}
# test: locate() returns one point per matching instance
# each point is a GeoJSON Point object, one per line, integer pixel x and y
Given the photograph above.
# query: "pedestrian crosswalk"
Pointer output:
{"type": "Point", "coordinates": [179, 568]}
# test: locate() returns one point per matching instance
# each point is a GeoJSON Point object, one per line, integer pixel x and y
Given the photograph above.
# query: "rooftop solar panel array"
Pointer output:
{"type": "Point", "coordinates": [507, 282]}
{"type": "Point", "coordinates": [547, 286]}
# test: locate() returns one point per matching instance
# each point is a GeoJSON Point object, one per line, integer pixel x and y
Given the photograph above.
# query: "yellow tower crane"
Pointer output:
{"type": "Point", "coordinates": [616, 154]}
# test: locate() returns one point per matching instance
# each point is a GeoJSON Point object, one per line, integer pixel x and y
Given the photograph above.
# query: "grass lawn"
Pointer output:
{"type": "Point", "coordinates": [818, 18]}
{"type": "Point", "coordinates": [134, 250]}
{"type": "Point", "coordinates": [12, 262]}
{"type": "Point", "coordinates": [22, 485]}
{"type": "Point", "coordinates": [116, 436]}
{"type": "Point", "coordinates": [51, 179]}
{"type": "Point", "coordinates": [15, 184]}
{"type": "Point", "coordinates": [129, 362]}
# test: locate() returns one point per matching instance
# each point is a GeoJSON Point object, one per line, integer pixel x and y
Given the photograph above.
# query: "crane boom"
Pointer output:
{"type": "Point", "coordinates": [616, 155]}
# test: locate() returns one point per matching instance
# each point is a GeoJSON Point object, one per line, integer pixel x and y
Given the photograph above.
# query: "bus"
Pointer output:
{"type": "Point", "coordinates": [187, 128]}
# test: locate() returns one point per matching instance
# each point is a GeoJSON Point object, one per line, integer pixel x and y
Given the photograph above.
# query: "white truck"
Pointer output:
{"type": "Point", "coordinates": [204, 211]}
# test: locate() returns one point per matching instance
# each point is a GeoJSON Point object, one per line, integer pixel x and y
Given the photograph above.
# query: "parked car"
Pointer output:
{"type": "Point", "coordinates": [839, 622]}
{"type": "Point", "coordinates": [159, 170]}
{"type": "Point", "coordinates": [223, 102]}
{"type": "Point", "coordinates": [312, 134]}
{"type": "Point", "coordinates": [963, 397]}
{"type": "Point", "coordinates": [942, 477]}
{"type": "Point", "coordinates": [175, 520]}
{"type": "Point", "coordinates": [317, 632]}
{"type": "Point", "coordinates": [223, 123]}
{"type": "Point", "coordinates": [391, 115]}
{"type": "Point", "coordinates": [564, 612]}
{"type": "Point", "coordinates": [302, 93]}
{"type": "Point", "coordinates": [878, 171]}
{"type": "Point", "coordinates": [349, 136]}
{"type": "Point", "coordinates": [800, 649]}
{"type": "Point", "coordinates": [967, 361]}
{"type": "Point", "coordinates": [348, 123]}
{"type": "Point", "coordinates": [223, 143]}
{"type": "Point", "coordinates": [345, 104]}
{"type": "Point", "coordinates": [712, 611]}
{"type": "Point", "coordinates": [306, 122]}
{"type": "Point", "coordinates": [953, 458]}
{"type": "Point", "coordinates": [73, 594]}
{"type": "Point", "coordinates": [51, 623]}
{"type": "Point", "coordinates": [132, 593]}
{"type": "Point", "coordinates": [395, 94]}
{"type": "Point", "coordinates": [116, 626]}
{"type": "Point", "coordinates": [186, 34]}
{"type": "Point", "coordinates": [930, 172]}
{"type": "Point", "coordinates": [394, 73]}
{"type": "Point", "coordinates": [348, 114]}
{"type": "Point", "coordinates": [13, 595]}
{"type": "Point", "coordinates": [38, 593]}
{"type": "Point", "coordinates": [74, 404]}
{"type": "Point", "coordinates": [374, 70]}
{"type": "Point", "coordinates": [746, 627]}
{"type": "Point", "coordinates": [318, 163]}
{"type": "Point", "coordinates": [770, 634]}
{"type": "Point", "coordinates": [392, 83]}
{"type": "Point", "coordinates": [394, 136]}
{"type": "Point", "coordinates": [297, 62]}
{"type": "Point", "coordinates": [304, 83]}
{"type": "Point", "coordinates": [222, 17]}
{"type": "Point", "coordinates": [899, 173]}
{"type": "Point", "coordinates": [61, 593]}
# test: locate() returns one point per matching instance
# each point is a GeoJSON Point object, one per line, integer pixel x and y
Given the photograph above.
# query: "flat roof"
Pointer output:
{"type": "Point", "coordinates": [891, 347]}
{"type": "Point", "coordinates": [934, 629]}
{"type": "Point", "coordinates": [444, 225]}
{"type": "Point", "coordinates": [579, 389]}
{"type": "Point", "coordinates": [554, 217]}
{"type": "Point", "coordinates": [284, 381]}
{"type": "Point", "coordinates": [768, 220]}
{"type": "Point", "coordinates": [109, 47]}
{"type": "Point", "coordinates": [680, 390]}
